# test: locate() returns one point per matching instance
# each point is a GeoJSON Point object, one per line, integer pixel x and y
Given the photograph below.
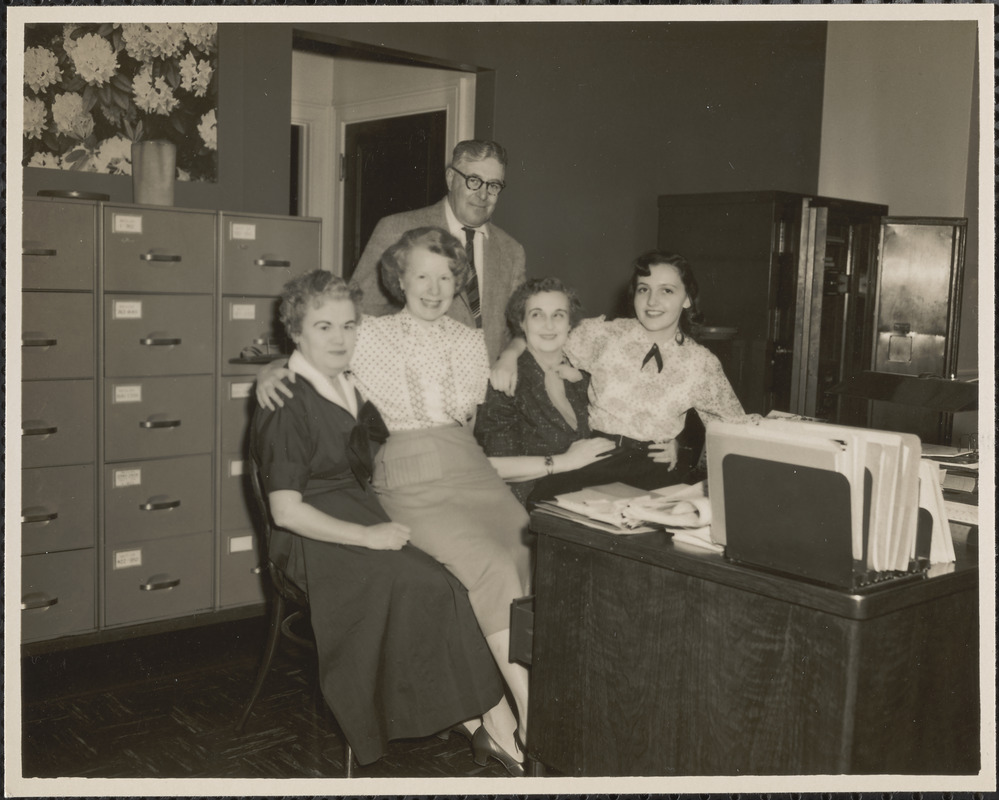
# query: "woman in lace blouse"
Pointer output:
{"type": "Point", "coordinates": [646, 373]}
{"type": "Point", "coordinates": [426, 373]}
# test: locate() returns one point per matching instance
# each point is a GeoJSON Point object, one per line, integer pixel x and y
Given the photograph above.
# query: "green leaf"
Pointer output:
{"type": "Point", "coordinates": [89, 97]}
{"type": "Point", "coordinates": [105, 29]}
{"type": "Point", "coordinates": [122, 82]}
{"type": "Point", "coordinates": [73, 156]}
{"type": "Point", "coordinates": [177, 125]}
{"type": "Point", "coordinates": [105, 94]}
{"type": "Point", "coordinates": [121, 99]}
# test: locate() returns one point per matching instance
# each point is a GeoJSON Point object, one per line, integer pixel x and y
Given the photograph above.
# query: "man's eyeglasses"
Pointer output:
{"type": "Point", "coordinates": [474, 182]}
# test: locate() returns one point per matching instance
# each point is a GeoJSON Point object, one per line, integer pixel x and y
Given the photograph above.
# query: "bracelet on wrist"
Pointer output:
{"type": "Point", "coordinates": [550, 464]}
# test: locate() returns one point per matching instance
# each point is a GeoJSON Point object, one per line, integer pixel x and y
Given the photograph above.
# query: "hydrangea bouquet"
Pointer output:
{"type": "Point", "coordinates": [92, 90]}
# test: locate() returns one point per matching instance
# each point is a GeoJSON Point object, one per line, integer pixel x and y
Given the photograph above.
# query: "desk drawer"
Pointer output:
{"type": "Point", "coordinates": [57, 594]}
{"type": "Point", "coordinates": [251, 330]}
{"type": "Point", "coordinates": [260, 254]}
{"type": "Point", "coordinates": [238, 404]}
{"type": "Point", "coordinates": [60, 245]}
{"type": "Point", "coordinates": [152, 499]}
{"type": "Point", "coordinates": [57, 508]}
{"type": "Point", "coordinates": [57, 423]}
{"type": "Point", "coordinates": [158, 335]}
{"type": "Point", "coordinates": [159, 579]}
{"type": "Point", "coordinates": [57, 339]}
{"type": "Point", "coordinates": [158, 250]}
{"type": "Point", "coordinates": [241, 571]}
{"type": "Point", "coordinates": [157, 417]}
{"type": "Point", "coordinates": [235, 494]}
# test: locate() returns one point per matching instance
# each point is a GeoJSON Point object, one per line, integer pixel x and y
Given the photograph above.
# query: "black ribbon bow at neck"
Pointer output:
{"type": "Point", "coordinates": [654, 353]}
{"type": "Point", "coordinates": [370, 428]}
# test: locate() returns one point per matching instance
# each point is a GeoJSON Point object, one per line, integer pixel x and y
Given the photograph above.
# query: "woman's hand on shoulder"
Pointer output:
{"type": "Point", "coordinates": [503, 375]}
{"type": "Point", "coordinates": [270, 386]}
{"type": "Point", "coordinates": [664, 452]}
{"type": "Point", "coordinates": [386, 536]}
{"type": "Point", "coordinates": [584, 452]}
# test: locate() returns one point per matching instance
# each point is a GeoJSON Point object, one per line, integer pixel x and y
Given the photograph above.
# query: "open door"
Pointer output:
{"type": "Point", "coordinates": [390, 165]}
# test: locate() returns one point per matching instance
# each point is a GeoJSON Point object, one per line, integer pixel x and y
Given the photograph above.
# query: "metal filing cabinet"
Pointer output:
{"type": "Point", "coordinates": [143, 330]}
{"type": "Point", "coordinates": [58, 442]}
{"type": "Point", "coordinates": [159, 412]}
{"type": "Point", "coordinates": [258, 255]}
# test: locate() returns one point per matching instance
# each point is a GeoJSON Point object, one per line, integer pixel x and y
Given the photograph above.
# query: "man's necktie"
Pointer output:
{"type": "Point", "coordinates": [654, 353]}
{"type": "Point", "coordinates": [472, 289]}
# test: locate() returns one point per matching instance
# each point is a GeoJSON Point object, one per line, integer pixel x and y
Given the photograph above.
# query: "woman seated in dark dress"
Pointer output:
{"type": "Point", "coordinates": [543, 429]}
{"type": "Point", "coordinates": [400, 651]}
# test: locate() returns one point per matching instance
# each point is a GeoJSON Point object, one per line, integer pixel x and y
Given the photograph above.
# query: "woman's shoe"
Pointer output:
{"type": "Point", "coordinates": [484, 747]}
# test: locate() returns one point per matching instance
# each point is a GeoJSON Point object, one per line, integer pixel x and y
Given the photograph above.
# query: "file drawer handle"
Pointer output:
{"type": "Point", "coordinates": [162, 257]}
{"type": "Point", "coordinates": [257, 570]}
{"type": "Point", "coordinates": [159, 423]}
{"type": "Point", "coordinates": [162, 505]}
{"type": "Point", "coordinates": [38, 251]}
{"type": "Point", "coordinates": [266, 341]}
{"type": "Point", "coordinates": [39, 517]}
{"type": "Point", "coordinates": [39, 342]}
{"type": "Point", "coordinates": [40, 430]}
{"type": "Point", "coordinates": [158, 583]}
{"type": "Point", "coordinates": [271, 262]}
{"type": "Point", "coordinates": [150, 341]}
{"type": "Point", "coordinates": [36, 600]}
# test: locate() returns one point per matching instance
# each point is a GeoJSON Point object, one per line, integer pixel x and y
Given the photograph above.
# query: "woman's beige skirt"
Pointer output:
{"type": "Point", "coordinates": [440, 483]}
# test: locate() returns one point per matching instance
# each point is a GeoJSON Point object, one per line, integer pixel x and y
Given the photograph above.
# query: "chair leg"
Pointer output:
{"type": "Point", "coordinates": [348, 760]}
{"type": "Point", "coordinates": [273, 635]}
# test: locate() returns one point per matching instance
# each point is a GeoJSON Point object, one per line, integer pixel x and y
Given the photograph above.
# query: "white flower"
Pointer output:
{"type": "Point", "coordinates": [41, 68]}
{"type": "Point", "coordinates": [35, 117]}
{"type": "Point", "coordinates": [69, 116]}
{"type": "Point", "coordinates": [208, 129]}
{"type": "Point", "coordinates": [183, 175]}
{"type": "Point", "coordinates": [195, 75]}
{"type": "Point", "coordinates": [153, 97]}
{"type": "Point", "coordinates": [94, 59]}
{"type": "Point", "coordinates": [45, 160]}
{"type": "Point", "coordinates": [158, 40]}
{"type": "Point", "coordinates": [202, 36]}
{"type": "Point", "coordinates": [68, 42]}
{"type": "Point", "coordinates": [114, 156]}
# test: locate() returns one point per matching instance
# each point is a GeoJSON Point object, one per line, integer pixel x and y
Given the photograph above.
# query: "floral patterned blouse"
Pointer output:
{"type": "Point", "coordinates": [629, 399]}
{"type": "Point", "coordinates": [420, 376]}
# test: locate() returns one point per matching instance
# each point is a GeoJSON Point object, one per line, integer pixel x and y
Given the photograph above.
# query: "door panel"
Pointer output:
{"type": "Point", "coordinates": [390, 165]}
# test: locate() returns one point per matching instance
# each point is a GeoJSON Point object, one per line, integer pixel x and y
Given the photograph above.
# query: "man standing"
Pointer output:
{"type": "Point", "coordinates": [475, 179]}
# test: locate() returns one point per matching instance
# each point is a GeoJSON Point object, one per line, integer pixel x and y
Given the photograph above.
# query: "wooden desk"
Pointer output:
{"type": "Point", "coordinates": [658, 659]}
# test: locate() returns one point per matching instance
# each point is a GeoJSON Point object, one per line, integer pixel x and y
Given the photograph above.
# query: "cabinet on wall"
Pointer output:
{"type": "Point", "coordinates": [794, 275]}
{"type": "Point", "coordinates": [134, 411]}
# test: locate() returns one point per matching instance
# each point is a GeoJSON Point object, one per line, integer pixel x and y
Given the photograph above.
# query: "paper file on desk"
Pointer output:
{"type": "Point", "coordinates": [600, 507]}
{"type": "Point", "coordinates": [685, 511]}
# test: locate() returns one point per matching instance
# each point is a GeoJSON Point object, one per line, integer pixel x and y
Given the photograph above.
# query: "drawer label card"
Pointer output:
{"type": "Point", "coordinates": [240, 544]}
{"type": "Point", "coordinates": [128, 309]}
{"type": "Point", "coordinates": [240, 391]}
{"type": "Point", "coordinates": [235, 467]}
{"type": "Point", "coordinates": [123, 559]}
{"type": "Point", "coordinates": [243, 230]}
{"type": "Point", "coordinates": [128, 394]}
{"type": "Point", "coordinates": [243, 311]}
{"type": "Point", "coordinates": [127, 477]}
{"type": "Point", "coordinates": [126, 223]}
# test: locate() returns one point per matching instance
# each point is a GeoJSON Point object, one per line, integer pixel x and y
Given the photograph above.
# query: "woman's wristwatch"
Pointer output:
{"type": "Point", "coordinates": [550, 464]}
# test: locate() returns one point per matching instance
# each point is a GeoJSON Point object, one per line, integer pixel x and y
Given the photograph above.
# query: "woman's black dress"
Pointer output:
{"type": "Point", "coordinates": [400, 652]}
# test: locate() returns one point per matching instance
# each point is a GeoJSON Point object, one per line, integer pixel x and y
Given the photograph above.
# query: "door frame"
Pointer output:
{"type": "Point", "coordinates": [458, 101]}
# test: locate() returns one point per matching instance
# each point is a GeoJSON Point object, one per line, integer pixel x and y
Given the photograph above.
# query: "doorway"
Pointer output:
{"type": "Point", "coordinates": [402, 121]}
{"type": "Point", "coordinates": [390, 165]}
